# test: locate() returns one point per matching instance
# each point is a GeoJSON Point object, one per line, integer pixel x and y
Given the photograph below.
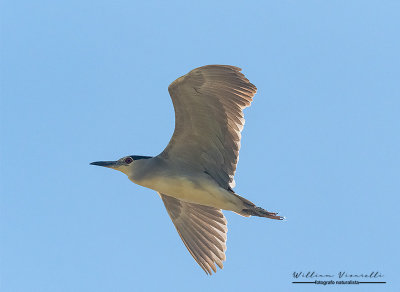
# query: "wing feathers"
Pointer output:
{"type": "Point", "coordinates": [202, 229]}
{"type": "Point", "coordinates": [209, 103]}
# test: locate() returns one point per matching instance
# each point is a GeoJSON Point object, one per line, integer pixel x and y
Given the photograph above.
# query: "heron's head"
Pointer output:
{"type": "Point", "coordinates": [125, 164]}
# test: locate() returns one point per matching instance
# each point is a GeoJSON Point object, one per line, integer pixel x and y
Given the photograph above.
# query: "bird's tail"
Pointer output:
{"type": "Point", "coordinates": [251, 209]}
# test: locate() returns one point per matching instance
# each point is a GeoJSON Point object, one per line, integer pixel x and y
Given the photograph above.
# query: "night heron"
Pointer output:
{"type": "Point", "coordinates": [194, 173]}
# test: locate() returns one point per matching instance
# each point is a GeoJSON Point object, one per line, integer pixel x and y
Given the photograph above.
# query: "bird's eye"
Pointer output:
{"type": "Point", "coordinates": [128, 160]}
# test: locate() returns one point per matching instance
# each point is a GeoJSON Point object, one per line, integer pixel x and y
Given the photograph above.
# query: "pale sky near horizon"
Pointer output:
{"type": "Point", "coordinates": [83, 81]}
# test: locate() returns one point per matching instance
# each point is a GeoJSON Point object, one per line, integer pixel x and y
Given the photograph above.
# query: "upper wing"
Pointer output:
{"type": "Point", "coordinates": [202, 229]}
{"type": "Point", "coordinates": [209, 103]}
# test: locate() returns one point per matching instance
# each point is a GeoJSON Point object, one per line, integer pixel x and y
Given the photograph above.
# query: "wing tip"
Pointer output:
{"type": "Point", "coordinates": [237, 70]}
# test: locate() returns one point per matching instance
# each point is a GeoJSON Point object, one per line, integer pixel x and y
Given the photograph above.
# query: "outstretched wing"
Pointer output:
{"type": "Point", "coordinates": [202, 229]}
{"type": "Point", "coordinates": [209, 103]}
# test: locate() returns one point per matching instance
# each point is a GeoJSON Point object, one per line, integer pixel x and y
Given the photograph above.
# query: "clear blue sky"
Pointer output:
{"type": "Point", "coordinates": [83, 81]}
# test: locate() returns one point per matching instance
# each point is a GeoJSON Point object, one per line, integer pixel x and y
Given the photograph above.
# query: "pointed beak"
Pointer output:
{"type": "Point", "coordinates": [109, 164]}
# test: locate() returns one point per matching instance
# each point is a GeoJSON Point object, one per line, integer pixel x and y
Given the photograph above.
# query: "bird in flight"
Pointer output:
{"type": "Point", "coordinates": [194, 175]}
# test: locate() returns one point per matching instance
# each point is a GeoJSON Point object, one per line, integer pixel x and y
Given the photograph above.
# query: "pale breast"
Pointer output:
{"type": "Point", "coordinates": [200, 190]}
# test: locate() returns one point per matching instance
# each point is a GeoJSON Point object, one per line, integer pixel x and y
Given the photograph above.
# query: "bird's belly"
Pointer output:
{"type": "Point", "coordinates": [201, 191]}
